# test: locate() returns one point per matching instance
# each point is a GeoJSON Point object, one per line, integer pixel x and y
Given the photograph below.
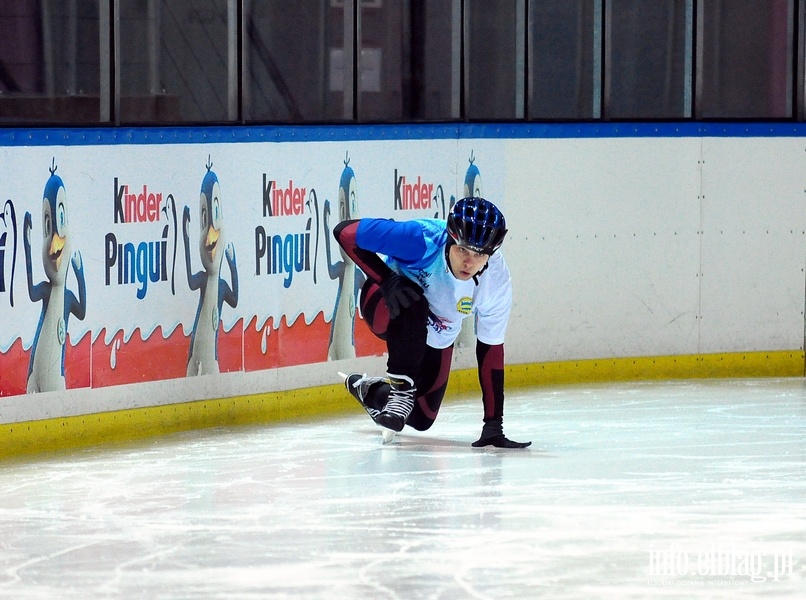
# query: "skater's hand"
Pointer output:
{"type": "Point", "coordinates": [399, 293]}
{"type": "Point", "coordinates": [499, 441]}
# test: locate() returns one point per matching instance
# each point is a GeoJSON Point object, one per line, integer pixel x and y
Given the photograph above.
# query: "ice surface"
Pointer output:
{"type": "Point", "coordinates": [650, 490]}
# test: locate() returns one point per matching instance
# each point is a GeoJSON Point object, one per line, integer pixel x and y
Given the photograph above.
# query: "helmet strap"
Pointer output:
{"type": "Point", "coordinates": [484, 268]}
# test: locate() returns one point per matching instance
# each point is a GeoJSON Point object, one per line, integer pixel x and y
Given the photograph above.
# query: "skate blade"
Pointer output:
{"type": "Point", "coordinates": [387, 435]}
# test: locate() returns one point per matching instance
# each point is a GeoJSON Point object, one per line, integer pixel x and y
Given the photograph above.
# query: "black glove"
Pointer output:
{"type": "Point", "coordinates": [492, 434]}
{"type": "Point", "coordinates": [398, 293]}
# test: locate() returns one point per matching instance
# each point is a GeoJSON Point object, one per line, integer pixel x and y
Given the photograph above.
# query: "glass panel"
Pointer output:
{"type": "Point", "coordinates": [491, 61]}
{"type": "Point", "coordinates": [294, 60]}
{"type": "Point", "coordinates": [174, 61]}
{"type": "Point", "coordinates": [646, 70]}
{"type": "Point", "coordinates": [746, 62]}
{"type": "Point", "coordinates": [405, 61]}
{"type": "Point", "coordinates": [562, 59]}
{"type": "Point", "coordinates": [49, 61]}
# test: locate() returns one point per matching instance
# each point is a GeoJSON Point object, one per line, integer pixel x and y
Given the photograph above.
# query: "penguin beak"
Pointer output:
{"type": "Point", "coordinates": [211, 241]}
{"type": "Point", "coordinates": [55, 250]}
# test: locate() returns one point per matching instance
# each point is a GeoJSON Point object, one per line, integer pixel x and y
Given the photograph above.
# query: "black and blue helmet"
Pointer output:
{"type": "Point", "coordinates": [477, 224]}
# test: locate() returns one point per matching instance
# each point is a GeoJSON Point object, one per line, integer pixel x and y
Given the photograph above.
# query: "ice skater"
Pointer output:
{"type": "Point", "coordinates": [435, 274]}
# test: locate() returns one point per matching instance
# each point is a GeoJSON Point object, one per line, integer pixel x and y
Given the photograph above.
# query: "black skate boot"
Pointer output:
{"type": "Point", "coordinates": [400, 404]}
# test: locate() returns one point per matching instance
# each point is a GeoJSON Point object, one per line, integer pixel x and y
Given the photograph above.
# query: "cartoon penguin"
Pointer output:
{"type": "Point", "coordinates": [342, 342]}
{"type": "Point", "coordinates": [46, 368]}
{"type": "Point", "coordinates": [472, 187]}
{"type": "Point", "coordinates": [203, 358]}
{"type": "Point", "coordinates": [11, 226]}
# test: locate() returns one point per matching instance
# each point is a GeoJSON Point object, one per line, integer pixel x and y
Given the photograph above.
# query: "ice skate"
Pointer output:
{"type": "Point", "coordinates": [359, 386]}
{"type": "Point", "coordinates": [400, 403]}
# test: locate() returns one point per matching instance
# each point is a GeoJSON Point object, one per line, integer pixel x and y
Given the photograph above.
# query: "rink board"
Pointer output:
{"type": "Point", "coordinates": [637, 251]}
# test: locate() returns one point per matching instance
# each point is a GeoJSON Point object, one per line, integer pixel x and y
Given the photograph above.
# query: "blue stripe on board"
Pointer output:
{"type": "Point", "coordinates": [342, 133]}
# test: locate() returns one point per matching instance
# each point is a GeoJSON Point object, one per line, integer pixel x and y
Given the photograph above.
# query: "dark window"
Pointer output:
{"type": "Point", "coordinates": [295, 67]}
{"type": "Point", "coordinates": [745, 59]}
{"type": "Point", "coordinates": [493, 68]}
{"type": "Point", "coordinates": [406, 67]}
{"type": "Point", "coordinates": [289, 69]}
{"type": "Point", "coordinates": [647, 47]}
{"type": "Point", "coordinates": [563, 69]}
{"type": "Point", "coordinates": [175, 61]}
{"type": "Point", "coordinates": [435, 64]}
{"type": "Point", "coordinates": [49, 62]}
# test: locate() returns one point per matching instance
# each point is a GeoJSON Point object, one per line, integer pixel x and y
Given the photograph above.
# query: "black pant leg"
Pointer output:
{"type": "Point", "coordinates": [431, 385]}
{"type": "Point", "coordinates": [405, 336]}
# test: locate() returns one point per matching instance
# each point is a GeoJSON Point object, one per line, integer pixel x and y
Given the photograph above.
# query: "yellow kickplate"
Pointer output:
{"type": "Point", "coordinates": [49, 435]}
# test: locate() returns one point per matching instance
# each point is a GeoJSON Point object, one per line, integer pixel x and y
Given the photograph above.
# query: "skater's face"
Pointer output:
{"type": "Point", "coordinates": [465, 262]}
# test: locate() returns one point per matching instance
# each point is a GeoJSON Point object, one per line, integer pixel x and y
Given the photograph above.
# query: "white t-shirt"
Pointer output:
{"type": "Point", "coordinates": [416, 249]}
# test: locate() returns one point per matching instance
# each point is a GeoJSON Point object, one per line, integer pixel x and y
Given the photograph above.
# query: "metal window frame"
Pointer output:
{"type": "Point", "coordinates": [688, 60]}
{"type": "Point", "coordinates": [234, 75]}
{"type": "Point", "coordinates": [799, 67]}
{"type": "Point", "coordinates": [105, 60]}
{"type": "Point", "coordinates": [792, 60]}
{"type": "Point", "coordinates": [529, 96]}
{"type": "Point", "coordinates": [115, 59]}
{"type": "Point", "coordinates": [352, 66]}
{"type": "Point", "coordinates": [465, 76]}
{"type": "Point", "coordinates": [699, 43]}
{"type": "Point", "coordinates": [520, 58]}
{"type": "Point", "coordinates": [600, 30]}
{"type": "Point", "coordinates": [457, 56]}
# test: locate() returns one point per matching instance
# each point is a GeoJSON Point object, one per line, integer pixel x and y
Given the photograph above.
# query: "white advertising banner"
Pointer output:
{"type": "Point", "coordinates": [130, 263]}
